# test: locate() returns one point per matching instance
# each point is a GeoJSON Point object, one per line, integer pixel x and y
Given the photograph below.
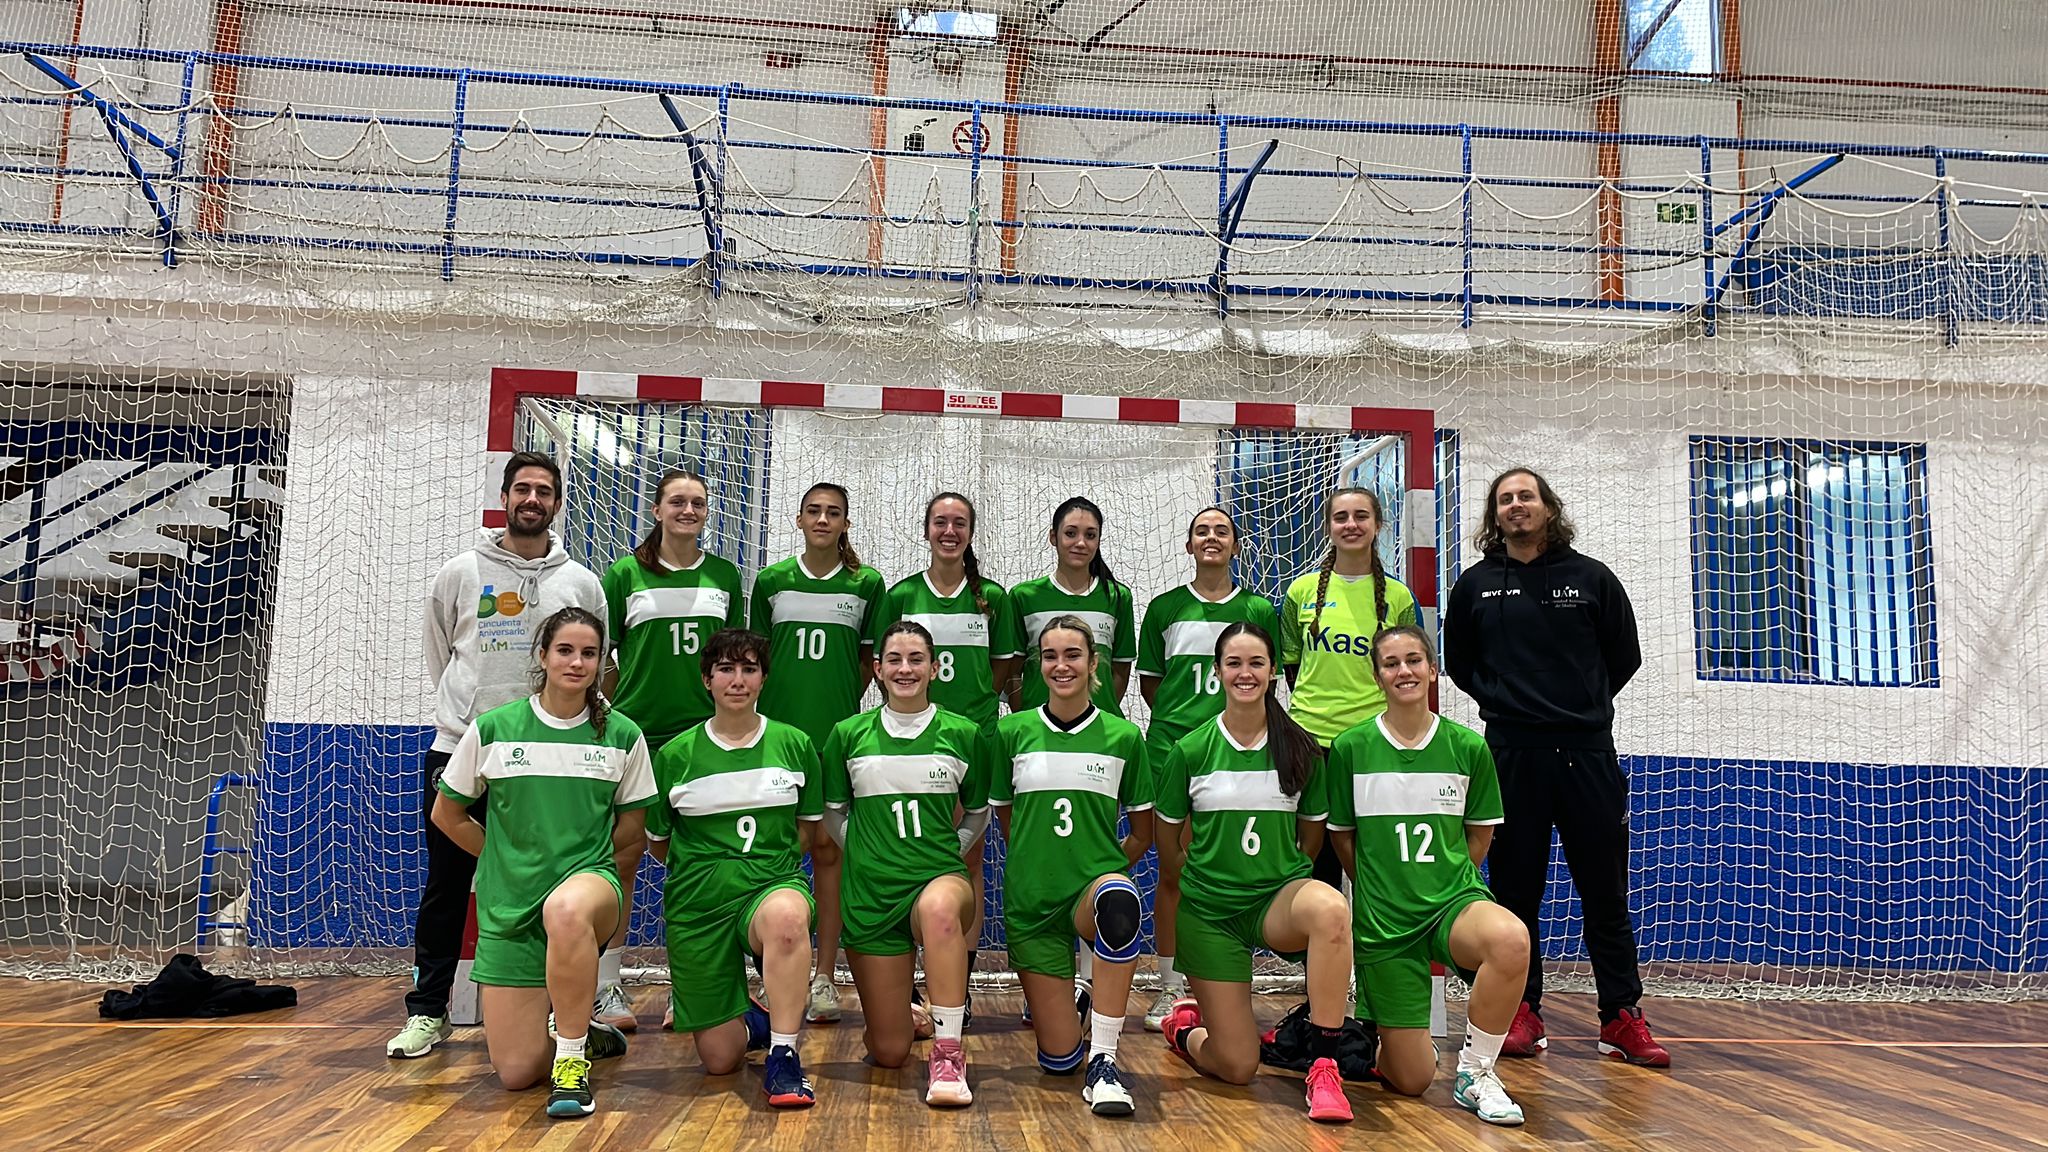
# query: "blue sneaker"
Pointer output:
{"type": "Point", "coordinates": [1105, 1093]}
{"type": "Point", "coordinates": [756, 1020]}
{"type": "Point", "coordinates": [783, 1080]}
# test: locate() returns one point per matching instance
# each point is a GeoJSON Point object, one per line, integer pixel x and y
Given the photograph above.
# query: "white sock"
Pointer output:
{"type": "Point", "coordinates": [565, 1047]}
{"type": "Point", "coordinates": [947, 1022]}
{"type": "Point", "coordinates": [1168, 978]}
{"type": "Point", "coordinates": [781, 1040]}
{"type": "Point", "coordinates": [608, 969]}
{"type": "Point", "coordinates": [1481, 1049]}
{"type": "Point", "coordinates": [1084, 965]}
{"type": "Point", "coordinates": [1102, 1034]}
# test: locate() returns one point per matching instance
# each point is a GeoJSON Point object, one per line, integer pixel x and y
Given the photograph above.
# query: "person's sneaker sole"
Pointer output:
{"type": "Point", "coordinates": [791, 1100]}
{"type": "Point", "coordinates": [605, 1041]}
{"type": "Point", "coordinates": [568, 1109]}
{"type": "Point", "coordinates": [1614, 1053]}
{"type": "Point", "coordinates": [1106, 1107]}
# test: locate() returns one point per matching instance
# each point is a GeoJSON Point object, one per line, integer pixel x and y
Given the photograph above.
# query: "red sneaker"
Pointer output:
{"type": "Point", "coordinates": [1525, 1035]}
{"type": "Point", "coordinates": [1184, 1014]}
{"type": "Point", "coordinates": [1326, 1102]}
{"type": "Point", "coordinates": [1627, 1037]}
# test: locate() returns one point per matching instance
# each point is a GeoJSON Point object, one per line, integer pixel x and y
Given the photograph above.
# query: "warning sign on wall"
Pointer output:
{"type": "Point", "coordinates": [918, 130]}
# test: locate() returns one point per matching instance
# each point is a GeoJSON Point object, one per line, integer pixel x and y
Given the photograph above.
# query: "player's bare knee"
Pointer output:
{"type": "Point", "coordinates": [887, 1053]}
{"type": "Point", "coordinates": [1329, 919]}
{"type": "Point", "coordinates": [1507, 945]}
{"type": "Point", "coordinates": [1231, 1068]}
{"type": "Point", "coordinates": [1408, 1081]}
{"type": "Point", "coordinates": [518, 1077]}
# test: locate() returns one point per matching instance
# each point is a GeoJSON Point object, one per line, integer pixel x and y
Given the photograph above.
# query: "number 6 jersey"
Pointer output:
{"type": "Point", "coordinates": [1410, 807]}
{"type": "Point", "coordinates": [1242, 847]}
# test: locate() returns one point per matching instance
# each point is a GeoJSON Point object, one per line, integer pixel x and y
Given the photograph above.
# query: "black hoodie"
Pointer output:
{"type": "Point", "coordinates": [1543, 647]}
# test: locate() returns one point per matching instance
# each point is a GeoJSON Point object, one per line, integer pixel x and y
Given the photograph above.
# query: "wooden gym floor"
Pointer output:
{"type": "Point", "coordinates": [1771, 1077]}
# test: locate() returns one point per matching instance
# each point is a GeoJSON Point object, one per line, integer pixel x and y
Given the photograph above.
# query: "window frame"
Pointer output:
{"type": "Point", "coordinates": [1661, 12]}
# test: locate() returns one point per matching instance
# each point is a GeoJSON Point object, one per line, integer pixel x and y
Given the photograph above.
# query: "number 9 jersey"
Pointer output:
{"type": "Point", "coordinates": [730, 814]}
{"type": "Point", "coordinates": [1243, 847]}
{"type": "Point", "coordinates": [659, 624]}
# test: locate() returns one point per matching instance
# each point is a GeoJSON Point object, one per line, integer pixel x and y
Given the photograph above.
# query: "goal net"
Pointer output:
{"type": "Point", "coordinates": [1775, 336]}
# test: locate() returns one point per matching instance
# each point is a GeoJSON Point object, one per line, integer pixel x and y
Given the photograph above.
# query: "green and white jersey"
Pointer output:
{"type": "Point", "coordinates": [551, 788]}
{"type": "Point", "coordinates": [1410, 807]}
{"type": "Point", "coordinates": [659, 623]}
{"type": "Point", "coordinates": [965, 640]}
{"type": "Point", "coordinates": [1065, 791]}
{"type": "Point", "coordinates": [1336, 688]}
{"type": "Point", "coordinates": [1107, 609]}
{"type": "Point", "coordinates": [1242, 833]}
{"type": "Point", "coordinates": [1177, 647]}
{"type": "Point", "coordinates": [898, 777]}
{"type": "Point", "coordinates": [730, 813]}
{"type": "Point", "coordinates": [815, 626]}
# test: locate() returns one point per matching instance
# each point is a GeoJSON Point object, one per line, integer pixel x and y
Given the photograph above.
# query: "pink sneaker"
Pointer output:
{"type": "Point", "coordinates": [948, 1076]}
{"type": "Point", "coordinates": [1326, 1102]}
{"type": "Point", "coordinates": [1184, 1014]}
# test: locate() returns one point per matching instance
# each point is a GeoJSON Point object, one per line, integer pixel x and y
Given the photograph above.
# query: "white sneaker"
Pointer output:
{"type": "Point", "coordinates": [614, 1008]}
{"type": "Point", "coordinates": [1155, 1016]}
{"type": "Point", "coordinates": [1483, 1094]}
{"type": "Point", "coordinates": [824, 1007]}
{"type": "Point", "coordinates": [921, 1021]}
{"type": "Point", "coordinates": [418, 1037]}
{"type": "Point", "coordinates": [1105, 1093]}
{"type": "Point", "coordinates": [668, 1018]}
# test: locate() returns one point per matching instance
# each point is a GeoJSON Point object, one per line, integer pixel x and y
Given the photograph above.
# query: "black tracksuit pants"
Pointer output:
{"type": "Point", "coordinates": [444, 905]}
{"type": "Point", "coordinates": [1582, 794]}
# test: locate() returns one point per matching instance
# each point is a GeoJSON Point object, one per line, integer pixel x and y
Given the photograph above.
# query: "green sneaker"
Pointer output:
{"type": "Point", "coordinates": [418, 1037]}
{"type": "Point", "coordinates": [571, 1095]}
{"type": "Point", "coordinates": [1482, 1094]}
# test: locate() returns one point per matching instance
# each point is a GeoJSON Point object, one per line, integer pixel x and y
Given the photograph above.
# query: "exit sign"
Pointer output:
{"type": "Point", "coordinates": [1677, 212]}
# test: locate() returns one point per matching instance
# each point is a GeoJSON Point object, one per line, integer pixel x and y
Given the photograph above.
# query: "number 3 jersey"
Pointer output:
{"type": "Point", "coordinates": [659, 623]}
{"type": "Point", "coordinates": [730, 813]}
{"type": "Point", "coordinates": [1409, 807]}
{"type": "Point", "coordinates": [897, 777]}
{"type": "Point", "coordinates": [1065, 790]}
{"type": "Point", "coordinates": [1242, 832]}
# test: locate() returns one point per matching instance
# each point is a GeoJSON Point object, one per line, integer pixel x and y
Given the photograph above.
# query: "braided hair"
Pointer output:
{"type": "Point", "coordinates": [1329, 566]}
{"type": "Point", "coordinates": [967, 558]}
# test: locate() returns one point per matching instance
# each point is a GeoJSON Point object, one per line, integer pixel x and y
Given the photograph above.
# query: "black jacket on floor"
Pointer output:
{"type": "Point", "coordinates": [184, 988]}
{"type": "Point", "coordinates": [1543, 647]}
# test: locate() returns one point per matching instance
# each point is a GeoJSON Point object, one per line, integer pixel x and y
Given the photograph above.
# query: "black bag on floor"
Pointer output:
{"type": "Point", "coordinates": [1287, 1046]}
{"type": "Point", "coordinates": [184, 988]}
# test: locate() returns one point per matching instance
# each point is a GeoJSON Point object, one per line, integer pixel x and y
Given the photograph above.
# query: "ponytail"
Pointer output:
{"type": "Point", "coordinates": [847, 556]}
{"type": "Point", "coordinates": [1293, 751]}
{"type": "Point", "coordinates": [1097, 566]}
{"type": "Point", "coordinates": [968, 559]}
{"type": "Point", "coordinates": [648, 551]}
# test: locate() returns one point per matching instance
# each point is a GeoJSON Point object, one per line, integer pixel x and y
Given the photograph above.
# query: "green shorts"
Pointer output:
{"type": "Point", "coordinates": [881, 928]}
{"type": "Point", "coordinates": [1220, 947]}
{"type": "Point", "coordinates": [1044, 946]}
{"type": "Point", "coordinates": [1394, 989]}
{"type": "Point", "coordinates": [707, 961]}
{"type": "Point", "coordinates": [520, 960]}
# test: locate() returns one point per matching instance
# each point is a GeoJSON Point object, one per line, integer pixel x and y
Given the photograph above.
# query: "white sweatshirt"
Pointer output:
{"type": "Point", "coordinates": [482, 617]}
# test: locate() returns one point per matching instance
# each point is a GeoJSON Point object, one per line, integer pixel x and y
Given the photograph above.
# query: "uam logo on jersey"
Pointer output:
{"type": "Point", "coordinates": [1097, 768]}
{"type": "Point", "coordinates": [519, 753]}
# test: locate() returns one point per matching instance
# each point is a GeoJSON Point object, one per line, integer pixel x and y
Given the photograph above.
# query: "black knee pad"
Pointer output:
{"type": "Point", "coordinates": [1118, 920]}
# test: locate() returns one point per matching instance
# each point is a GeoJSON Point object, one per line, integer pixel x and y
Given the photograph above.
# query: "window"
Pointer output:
{"type": "Point", "coordinates": [962, 24]}
{"type": "Point", "coordinates": [1812, 563]}
{"type": "Point", "coordinates": [1672, 36]}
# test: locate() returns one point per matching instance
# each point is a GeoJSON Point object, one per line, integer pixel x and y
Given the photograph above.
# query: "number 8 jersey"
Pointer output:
{"type": "Point", "coordinates": [964, 640]}
{"type": "Point", "coordinates": [1243, 845]}
{"type": "Point", "coordinates": [660, 621]}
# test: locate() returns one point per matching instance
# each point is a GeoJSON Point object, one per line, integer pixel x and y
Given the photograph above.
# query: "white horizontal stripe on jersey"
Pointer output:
{"type": "Point", "coordinates": [512, 759]}
{"type": "Point", "coordinates": [841, 608]}
{"type": "Point", "coordinates": [953, 629]}
{"type": "Point", "coordinates": [676, 604]}
{"type": "Point", "coordinates": [1067, 772]}
{"type": "Point", "coordinates": [740, 791]}
{"type": "Point", "coordinates": [1239, 792]}
{"type": "Point", "coordinates": [1194, 638]}
{"type": "Point", "coordinates": [1103, 624]}
{"type": "Point", "coordinates": [1409, 794]}
{"type": "Point", "coordinates": [905, 775]}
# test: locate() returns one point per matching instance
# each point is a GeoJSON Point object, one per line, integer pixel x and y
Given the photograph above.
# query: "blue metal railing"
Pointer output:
{"type": "Point", "coordinates": [705, 213]}
{"type": "Point", "coordinates": [211, 848]}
